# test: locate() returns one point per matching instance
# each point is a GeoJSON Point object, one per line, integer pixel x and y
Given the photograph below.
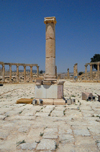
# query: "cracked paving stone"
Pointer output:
{"type": "Point", "coordinates": [86, 148]}
{"type": "Point", "coordinates": [66, 148]}
{"type": "Point", "coordinates": [28, 146]}
{"type": "Point", "coordinates": [23, 129]}
{"type": "Point", "coordinates": [50, 133]}
{"type": "Point", "coordinates": [46, 144]}
{"type": "Point", "coordinates": [66, 138]}
{"type": "Point", "coordinates": [81, 132]}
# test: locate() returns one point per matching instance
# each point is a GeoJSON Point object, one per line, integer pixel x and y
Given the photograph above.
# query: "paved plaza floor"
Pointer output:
{"type": "Point", "coordinates": [49, 128]}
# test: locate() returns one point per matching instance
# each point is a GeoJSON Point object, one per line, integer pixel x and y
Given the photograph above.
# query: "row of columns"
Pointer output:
{"type": "Point", "coordinates": [75, 70]}
{"type": "Point", "coordinates": [91, 73]}
{"type": "Point", "coordinates": [17, 72]}
{"type": "Point", "coordinates": [75, 73]}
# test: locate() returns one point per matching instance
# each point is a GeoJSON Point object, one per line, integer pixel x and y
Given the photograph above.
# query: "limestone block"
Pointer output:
{"type": "Point", "coordinates": [50, 133]}
{"type": "Point", "coordinates": [49, 91]}
{"type": "Point", "coordinates": [81, 132]}
{"type": "Point", "coordinates": [50, 31]}
{"type": "Point", "coordinates": [59, 102]}
{"type": "Point", "coordinates": [69, 101]}
{"type": "Point", "coordinates": [28, 146]}
{"type": "Point", "coordinates": [40, 92]}
{"type": "Point", "coordinates": [48, 102]}
{"type": "Point", "coordinates": [86, 95]}
{"type": "Point", "coordinates": [50, 48]}
{"type": "Point", "coordinates": [46, 91]}
{"type": "Point", "coordinates": [60, 91]}
{"type": "Point", "coordinates": [98, 97]}
{"type": "Point", "coordinates": [50, 66]}
{"type": "Point", "coordinates": [24, 100]}
{"type": "Point", "coordinates": [38, 81]}
{"type": "Point", "coordinates": [46, 144]}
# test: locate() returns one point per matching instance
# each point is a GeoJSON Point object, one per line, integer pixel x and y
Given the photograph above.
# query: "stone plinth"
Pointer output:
{"type": "Point", "coordinates": [49, 91]}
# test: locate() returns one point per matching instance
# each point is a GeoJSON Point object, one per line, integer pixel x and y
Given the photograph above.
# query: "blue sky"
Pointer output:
{"type": "Point", "coordinates": [22, 31]}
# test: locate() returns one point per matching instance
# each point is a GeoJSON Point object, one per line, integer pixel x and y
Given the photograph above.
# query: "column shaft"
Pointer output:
{"type": "Point", "coordinates": [37, 71]}
{"type": "Point", "coordinates": [3, 73]}
{"type": "Point", "coordinates": [98, 70]}
{"type": "Point", "coordinates": [17, 73]}
{"type": "Point", "coordinates": [24, 73]}
{"type": "Point", "coordinates": [31, 74]}
{"type": "Point", "coordinates": [50, 48]}
{"type": "Point", "coordinates": [10, 74]}
{"type": "Point", "coordinates": [68, 73]}
{"type": "Point", "coordinates": [91, 72]}
{"type": "Point", "coordinates": [85, 72]}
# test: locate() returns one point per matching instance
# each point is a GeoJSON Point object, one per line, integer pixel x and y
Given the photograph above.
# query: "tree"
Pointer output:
{"type": "Point", "coordinates": [80, 73]}
{"type": "Point", "coordinates": [41, 72]}
{"type": "Point", "coordinates": [95, 58]}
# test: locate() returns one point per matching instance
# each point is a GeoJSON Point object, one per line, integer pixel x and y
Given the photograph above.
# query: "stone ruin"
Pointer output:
{"type": "Point", "coordinates": [49, 87]}
{"type": "Point", "coordinates": [8, 76]}
{"type": "Point", "coordinates": [91, 76]}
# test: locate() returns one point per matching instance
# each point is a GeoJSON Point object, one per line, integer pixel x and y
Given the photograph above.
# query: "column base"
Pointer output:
{"type": "Point", "coordinates": [49, 91]}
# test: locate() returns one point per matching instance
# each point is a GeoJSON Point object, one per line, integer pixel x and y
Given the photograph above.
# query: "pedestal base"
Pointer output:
{"type": "Point", "coordinates": [52, 102]}
{"type": "Point", "coordinates": [49, 91]}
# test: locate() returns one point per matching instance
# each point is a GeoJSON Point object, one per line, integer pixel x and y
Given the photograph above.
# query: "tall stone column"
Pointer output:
{"type": "Point", "coordinates": [37, 71]}
{"type": "Point", "coordinates": [17, 73]}
{"type": "Point", "coordinates": [73, 70]}
{"type": "Point", "coordinates": [50, 49]}
{"type": "Point", "coordinates": [31, 74]}
{"type": "Point", "coordinates": [56, 71]}
{"type": "Point", "coordinates": [91, 71]}
{"type": "Point", "coordinates": [98, 69]}
{"type": "Point", "coordinates": [10, 74]}
{"type": "Point", "coordinates": [85, 71]}
{"type": "Point", "coordinates": [3, 73]}
{"type": "Point", "coordinates": [24, 73]}
{"type": "Point", "coordinates": [76, 72]}
{"type": "Point", "coordinates": [68, 73]}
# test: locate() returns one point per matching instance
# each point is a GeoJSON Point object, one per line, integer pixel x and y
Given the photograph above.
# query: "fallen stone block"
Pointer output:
{"type": "Point", "coordinates": [24, 101]}
{"type": "Point", "coordinates": [69, 101]}
{"type": "Point", "coordinates": [1, 84]}
{"type": "Point", "coordinates": [87, 96]}
{"type": "Point", "coordinates": [59, 102]}
{"type": "Point", "coordinates": [48, 102]}
{"type": "Point", "coordinates": [98, 97]}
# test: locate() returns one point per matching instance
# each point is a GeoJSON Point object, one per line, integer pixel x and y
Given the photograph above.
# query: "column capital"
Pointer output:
{"type": "Point", "coordinates": [17, 65]}
{"type": "Point", "coordinates": [3, 65]}
{"type": "Point", "coordinates": [50, 20]}
{"type": "Point", "coordinates": [10, 65]}
{"type": "Point", "coordinates": [24, 66]}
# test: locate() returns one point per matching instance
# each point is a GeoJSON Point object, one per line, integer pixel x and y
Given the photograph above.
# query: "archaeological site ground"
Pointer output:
{"type": "Point", "coordinates": [49, 112]}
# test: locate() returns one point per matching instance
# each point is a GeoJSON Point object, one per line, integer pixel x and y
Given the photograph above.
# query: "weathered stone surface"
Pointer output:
{"type": "Point", "coordinates": [46, 144]}
{"type": "Point", "coordinates": [50, 133]}
{"type": "Point", "coordinates": [82, 132]}
{"type": "Point", "coordinates": [98, 144]}
{"type": "Point", "coordinates": [66, 138]}
{"type": "Point", "coordinates": [50, 48]}
{"type": "Point", "coordinates": [28, 146]}
{"type": "Point", "coordinates": [78, 130]}
{"type": "Point", "coordinates": [66, 148]}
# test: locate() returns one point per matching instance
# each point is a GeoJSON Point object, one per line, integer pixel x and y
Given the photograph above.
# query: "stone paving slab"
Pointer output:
{"type": "Point", "coordinates": [49, 128]}
{"type": "Point", "coordinates": [46, 144]}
